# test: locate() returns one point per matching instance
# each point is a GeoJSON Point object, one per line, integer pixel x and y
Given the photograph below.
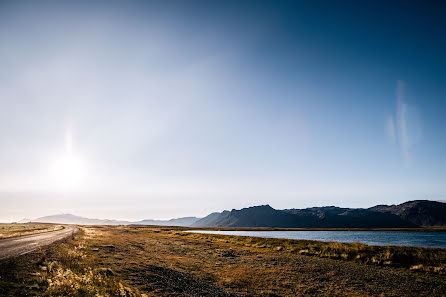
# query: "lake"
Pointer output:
{"type": "Point", "coordinates": [403, 238]}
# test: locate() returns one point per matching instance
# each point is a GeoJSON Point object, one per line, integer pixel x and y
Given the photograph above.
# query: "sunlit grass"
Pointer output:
{"type": "Point", "coordinates": [164, 261]}
{"type": "Point", "coordinates": [13, 230]}
{"type": "Point", "coordinates": [431, 260]}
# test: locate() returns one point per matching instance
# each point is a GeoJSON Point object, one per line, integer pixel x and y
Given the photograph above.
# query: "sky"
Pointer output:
{"type": "Point", "coordinates": [162, 109]}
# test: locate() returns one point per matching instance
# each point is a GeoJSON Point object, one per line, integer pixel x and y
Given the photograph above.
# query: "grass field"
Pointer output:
{"type": "Point", "coordinates": [13, 230]}
{"type": "Point", "coordinates": [158, 261]}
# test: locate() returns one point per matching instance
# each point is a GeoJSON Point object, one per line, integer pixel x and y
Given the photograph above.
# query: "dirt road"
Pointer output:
{"type": "Point", "coordinates": [11, 247]}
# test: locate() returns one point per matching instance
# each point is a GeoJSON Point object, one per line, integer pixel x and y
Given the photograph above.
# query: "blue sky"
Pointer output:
{"type": "Point", "coordinates": [163, 109]}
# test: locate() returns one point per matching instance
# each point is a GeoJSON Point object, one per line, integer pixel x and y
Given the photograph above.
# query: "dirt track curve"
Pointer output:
{"type": "Point", "coordinates": [16, 246]}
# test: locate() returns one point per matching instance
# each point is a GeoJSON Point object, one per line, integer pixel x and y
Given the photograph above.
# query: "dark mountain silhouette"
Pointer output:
{"type": "Point", "coordinates": [77, 220]}
{"type": "Point", "coordinates": [420, 213]}
{"type": "Point", "coordinates": [256, 216]}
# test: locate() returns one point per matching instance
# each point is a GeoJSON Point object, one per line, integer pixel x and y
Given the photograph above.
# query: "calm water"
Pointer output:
{"type": "Point", "coordinates": [426, 239]}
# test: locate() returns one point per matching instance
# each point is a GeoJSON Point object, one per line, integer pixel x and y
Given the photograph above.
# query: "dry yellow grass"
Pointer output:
{"type": "Point", "coordinates": [149, 261]}
{"type": "Point", "coordinates": [13, 230]}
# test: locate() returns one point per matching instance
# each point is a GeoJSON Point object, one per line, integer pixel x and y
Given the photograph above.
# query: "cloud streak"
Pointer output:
{"type": "Point", "coordinates": [408, 124]}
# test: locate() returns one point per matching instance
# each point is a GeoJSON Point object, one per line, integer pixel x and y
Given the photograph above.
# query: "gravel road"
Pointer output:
{"type": "Point", "coordinates": [16, 246]}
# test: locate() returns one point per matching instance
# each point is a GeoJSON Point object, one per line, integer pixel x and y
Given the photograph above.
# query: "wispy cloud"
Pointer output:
{"type": "Point", "coordinates": [407, 130]}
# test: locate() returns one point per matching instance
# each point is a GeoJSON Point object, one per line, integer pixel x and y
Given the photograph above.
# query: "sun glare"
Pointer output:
{"type": "Point", "coordinates": [68, 171]}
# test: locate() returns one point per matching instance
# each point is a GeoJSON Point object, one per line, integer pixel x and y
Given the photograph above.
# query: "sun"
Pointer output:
{"type": "Point", "coordinates": [68, 171]}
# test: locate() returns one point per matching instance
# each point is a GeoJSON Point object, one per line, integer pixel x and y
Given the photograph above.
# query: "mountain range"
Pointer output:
{"type": "Point", "coordinates": [411, 214]}
{"type": "Point", "coordinates": [419, 213]}
{"type": "Point", "coordinates": [78, 220]}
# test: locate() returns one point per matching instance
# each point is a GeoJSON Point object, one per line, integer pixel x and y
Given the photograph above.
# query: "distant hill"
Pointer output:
{"type": "Point", "coordinates": [421, 213]}
{"type": "Point", "coordinates": [77, 220]}
{"type": "Point", "coordinates": [24, 220]}
{"type": "Point", "coordinates": [186, 221]}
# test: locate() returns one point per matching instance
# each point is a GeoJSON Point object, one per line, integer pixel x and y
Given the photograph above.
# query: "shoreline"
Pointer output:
{"type": "Point", "coordinates": [164, 261]}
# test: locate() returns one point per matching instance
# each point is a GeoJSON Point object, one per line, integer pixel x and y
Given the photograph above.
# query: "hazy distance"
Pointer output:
{"type": "Point", "coordinates": [166, 109]}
